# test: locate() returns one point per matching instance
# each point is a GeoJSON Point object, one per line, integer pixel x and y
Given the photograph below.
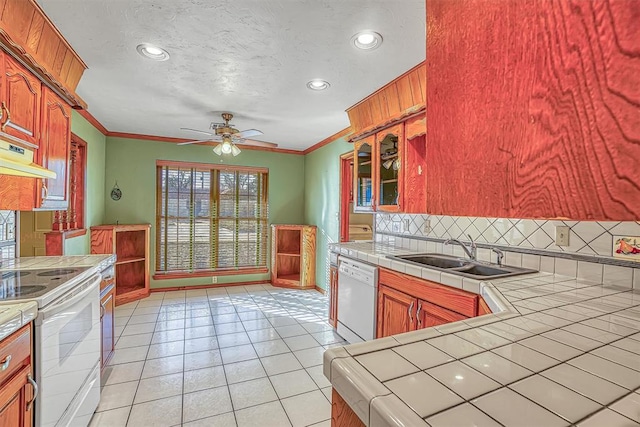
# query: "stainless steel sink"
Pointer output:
{"type": "Point", "coordinates": [462, 267]}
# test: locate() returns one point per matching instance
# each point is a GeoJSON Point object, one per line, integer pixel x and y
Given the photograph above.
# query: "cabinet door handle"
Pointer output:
{"type": "Point", "coordinates": [410, 310]}
{"type": "Point", "coordinates": [45, 190]}
{"type": "Point", "coordinates": [5, 122]}
{"type": "Point", "coordinates": [5, 363]}
{"type": "Point", "coordinates": [418, 313]}
{"type": "Point", "coordinates": [35, 391]}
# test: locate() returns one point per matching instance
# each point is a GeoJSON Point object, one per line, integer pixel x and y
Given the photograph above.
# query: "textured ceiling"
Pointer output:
{"type": "Point", "coordinates": [250, 57]}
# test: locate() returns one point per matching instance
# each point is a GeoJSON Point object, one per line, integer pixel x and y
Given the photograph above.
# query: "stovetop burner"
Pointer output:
{"type": "Point", "coordinates": [20, 291]}
{"type": "Point", "coordinates": [58, 272]}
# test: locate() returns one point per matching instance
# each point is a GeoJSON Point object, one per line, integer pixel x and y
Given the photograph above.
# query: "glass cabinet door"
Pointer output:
{"type": "Point", "coordinates": [363, 178]}
{"type": "Point", "coordinates": [389, 163]}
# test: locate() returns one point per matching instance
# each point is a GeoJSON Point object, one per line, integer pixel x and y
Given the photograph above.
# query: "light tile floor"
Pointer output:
{"type": "Point", "coordinates": [235, 356]}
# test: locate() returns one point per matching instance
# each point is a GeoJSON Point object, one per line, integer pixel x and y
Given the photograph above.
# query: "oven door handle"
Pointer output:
{"type": "Point", "coordinates": [93, 285]}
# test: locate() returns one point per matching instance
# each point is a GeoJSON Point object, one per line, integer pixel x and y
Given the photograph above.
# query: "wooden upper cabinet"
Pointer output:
{"type": "Point", "coordinates": [396, 312]}
{"type": "Point", "coordinates": [53, 154]}
{"type": "Point", "coordinates": [363, 187]}
{"type": "Point", "coordinates": [20, 98]}
{"type": "Point", "coordinates": [535, 114]}
{"type": "Point", "coordinates": [388, 175]}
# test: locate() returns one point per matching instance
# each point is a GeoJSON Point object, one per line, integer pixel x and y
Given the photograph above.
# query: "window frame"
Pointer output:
{"type": "Point", "coordinates": [227, 271]}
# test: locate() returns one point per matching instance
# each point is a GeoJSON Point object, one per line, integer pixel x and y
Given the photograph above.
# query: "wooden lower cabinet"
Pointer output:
{"type": "Point", "coordinates": [341, 413]}
{"type": "Point", "coordinates": [395, 312]}
{"type": "Point", "coordinates": [107, 324]}
{"type": "Point", "coordinates": [407, 303]}
{"type": "Point", "coordinates": [16, 379]}
{"type": "Point", "coordinates": [333, 296]}
{"type": "Point", "coordinates": [429, 315]}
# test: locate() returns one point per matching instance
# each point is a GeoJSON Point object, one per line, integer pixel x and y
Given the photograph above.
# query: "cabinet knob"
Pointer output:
{"type": "Point", "coordinates": [5, 364]}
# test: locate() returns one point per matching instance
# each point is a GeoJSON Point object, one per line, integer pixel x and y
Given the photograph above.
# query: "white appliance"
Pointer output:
{"type": "Point", "coordinates": [357, 300]}
{"type": "Point", "coordinates": [67, 340]}
{"type": "Point", "coordinates": [16, 160]}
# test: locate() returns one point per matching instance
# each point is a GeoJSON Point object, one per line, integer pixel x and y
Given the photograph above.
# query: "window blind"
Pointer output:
{"type": "Point", "coordinates": [210, 218]}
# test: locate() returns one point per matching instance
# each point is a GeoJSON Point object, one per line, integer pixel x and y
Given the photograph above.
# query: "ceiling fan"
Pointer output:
{"type": "Point", "coordinates": [228, 137]}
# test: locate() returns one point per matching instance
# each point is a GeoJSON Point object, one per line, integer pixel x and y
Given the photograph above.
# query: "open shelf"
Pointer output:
{"type": "Point", "coordinates": [290, 277]}
{"type": "Point", "coordinates": [129, 259]}
{"type": "Point", "coordinates": [287, 254]}
{"type": "Point", "coordinates": [130, 244]}
{"type": "Point", "coordinates": [293, 249]}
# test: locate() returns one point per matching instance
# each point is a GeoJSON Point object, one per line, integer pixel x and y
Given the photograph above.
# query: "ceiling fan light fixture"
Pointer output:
{"type": "Point", "coordinates": [226, 147]}
{"type": "Point", "coordinates": [318, 84]}
{"type": "Point", "coordinates": [152, 52]}
{"type": "Point", "coordinates": [367, 40]}
{"type": "Point", "coordinates": [235, 150]}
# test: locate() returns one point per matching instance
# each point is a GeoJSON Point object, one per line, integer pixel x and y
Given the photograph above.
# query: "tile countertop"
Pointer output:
{"type": "Point", "coordinates": [35, 262]}
{"type": "Point", "coordinates": [557, 351]}
{"type": "Point", "coordinates": [15, 316]}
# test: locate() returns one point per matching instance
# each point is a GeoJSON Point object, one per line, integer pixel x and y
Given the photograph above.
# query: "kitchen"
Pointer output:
{"type": "Point", "coordinates": [227, 276]}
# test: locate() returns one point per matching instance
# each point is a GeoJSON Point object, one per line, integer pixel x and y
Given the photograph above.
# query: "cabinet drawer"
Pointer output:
{"type": "Point", "coordinates": [463, 302]}
{"type": "Point", "coordinates": [15, 352]}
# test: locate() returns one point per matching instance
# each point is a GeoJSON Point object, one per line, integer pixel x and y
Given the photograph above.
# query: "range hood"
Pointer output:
{"type": "Point", "coordinates": [15, 160]}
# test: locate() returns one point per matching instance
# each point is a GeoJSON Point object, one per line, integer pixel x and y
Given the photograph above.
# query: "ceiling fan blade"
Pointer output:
{"type": "Point", "coordinates": [257, 143]}
{"type": "Point", "coordinates": [196, 130]}
{"type": "Point", "coordinates": [249, 133]}
{"type": "Point", "coordinates": [195, 141]}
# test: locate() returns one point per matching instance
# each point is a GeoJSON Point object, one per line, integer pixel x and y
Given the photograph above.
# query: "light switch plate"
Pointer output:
{"type": "Point", "coordinates": [626, 247]}
{"type": "Point", "coordinates": [405, 225]}
{"type": "Point", "coordinates": [562, 235]}
{"type": "Point", "coordinates": [214, 279]}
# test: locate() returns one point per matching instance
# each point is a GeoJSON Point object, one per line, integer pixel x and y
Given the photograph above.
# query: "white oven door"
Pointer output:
{"type": "Point", "coordinates": [67, 351]}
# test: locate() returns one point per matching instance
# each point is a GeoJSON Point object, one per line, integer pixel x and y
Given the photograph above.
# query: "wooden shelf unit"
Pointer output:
{"type": "Point", "coordinates": [130, 243]}
{"type": "Point", "coordinates": [293, 256]}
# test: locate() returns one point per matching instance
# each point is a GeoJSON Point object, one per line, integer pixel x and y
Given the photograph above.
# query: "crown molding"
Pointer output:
{"type": "Point", "coordinates": [340, 134]}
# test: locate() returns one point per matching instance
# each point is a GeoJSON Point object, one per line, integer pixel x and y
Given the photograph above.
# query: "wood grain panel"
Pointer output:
{"type": "Point", "coordinates": [35, 32]}
{"type": "Point", "coordinates": [341, 413]}
{"type": "Point", "coordinates": [457, 300]}
{"type": "Point", "coordinates": [102, 241]}
{"type": "Point", "coordinates": [392, 102]}
{"type": "Point", "coordinates": [16, 193]}
{"type": "Point", "coordinates": [18, 14]}
{"type": "Point", "coordinates": [534, 109]}
{"type": "Point", "coordinates": [22, 96]}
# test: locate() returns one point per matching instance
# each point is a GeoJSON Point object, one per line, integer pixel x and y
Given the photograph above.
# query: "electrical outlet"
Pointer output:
{"type": "Point", "coordinates": [562, 235]}
{"type": "Point", "coordinates": [396, 227]}
{"type": "Point", "coordinates": [214, 279]}
{"type": "Point", "coordinates": [426, 227]}
{"type": "Point", "coordinates": [405, 225]}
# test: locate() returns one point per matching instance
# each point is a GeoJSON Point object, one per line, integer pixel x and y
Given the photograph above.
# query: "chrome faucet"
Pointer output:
{"type": "Point", "coordinates": [471, 250]}
{"type": "Point", "coordinates": [499, 255]}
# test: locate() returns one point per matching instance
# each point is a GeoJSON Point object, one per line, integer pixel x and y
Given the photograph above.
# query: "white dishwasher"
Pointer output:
{"type": "Point", "coordinates": [357, 300]}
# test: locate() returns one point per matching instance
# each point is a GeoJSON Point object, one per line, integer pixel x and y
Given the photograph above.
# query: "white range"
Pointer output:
{"type": "Point", "coordinates": [66, 333]}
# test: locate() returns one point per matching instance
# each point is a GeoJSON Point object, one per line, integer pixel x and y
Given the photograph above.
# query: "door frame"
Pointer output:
{"type": "Point", "coordinates": [346, 193]}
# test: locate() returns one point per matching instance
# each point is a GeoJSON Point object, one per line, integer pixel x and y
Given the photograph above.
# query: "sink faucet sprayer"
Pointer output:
{"type": "Point", "coordinates": [471, 250]}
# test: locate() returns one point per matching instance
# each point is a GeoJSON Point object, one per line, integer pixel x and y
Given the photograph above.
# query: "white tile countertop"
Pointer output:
{"type": "Point", "coordinates": [556, 351]}
{"type": "Point", "coordinates": [15, 316]}
{"type": "Point", "coordinates": [36, 262]}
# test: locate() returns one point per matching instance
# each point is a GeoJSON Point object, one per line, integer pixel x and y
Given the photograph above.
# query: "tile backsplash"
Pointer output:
{"type": "Point", "coordinates": [586, 237]}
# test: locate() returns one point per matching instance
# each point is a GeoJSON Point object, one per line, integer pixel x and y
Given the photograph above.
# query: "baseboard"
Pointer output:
{"type": "Point", "coordinates": [321, 290]}
{"type": "Point", "coordinates": [209, 286]}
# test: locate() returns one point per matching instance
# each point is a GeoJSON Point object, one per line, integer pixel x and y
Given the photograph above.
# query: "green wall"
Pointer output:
{"type": "Point", "coordinates": [132, 163]}
{"type": "Point", "coordinates": [322, 200]}
{"type": "Point", "coordinates": [94, 201]}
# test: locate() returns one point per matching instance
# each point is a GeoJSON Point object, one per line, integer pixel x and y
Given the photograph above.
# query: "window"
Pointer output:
{"type": "Point", "coordinates": [7, 234]}
{"type": "Point", "coordinates": [210, 218]}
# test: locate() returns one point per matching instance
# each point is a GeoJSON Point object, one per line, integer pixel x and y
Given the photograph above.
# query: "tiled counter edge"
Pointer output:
{"type": "Point", "coordinates": [15, 316]}
{"type": "Point", "coordinates": [376, 405]}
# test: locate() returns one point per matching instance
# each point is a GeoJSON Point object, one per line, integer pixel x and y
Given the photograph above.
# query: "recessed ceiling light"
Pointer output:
{"type": "Point", "coordinates": [367, 40]}
{"type": "Point", "coordinates": [318, 84]}
{"type": "Point", "coordinates": [152, 52]}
